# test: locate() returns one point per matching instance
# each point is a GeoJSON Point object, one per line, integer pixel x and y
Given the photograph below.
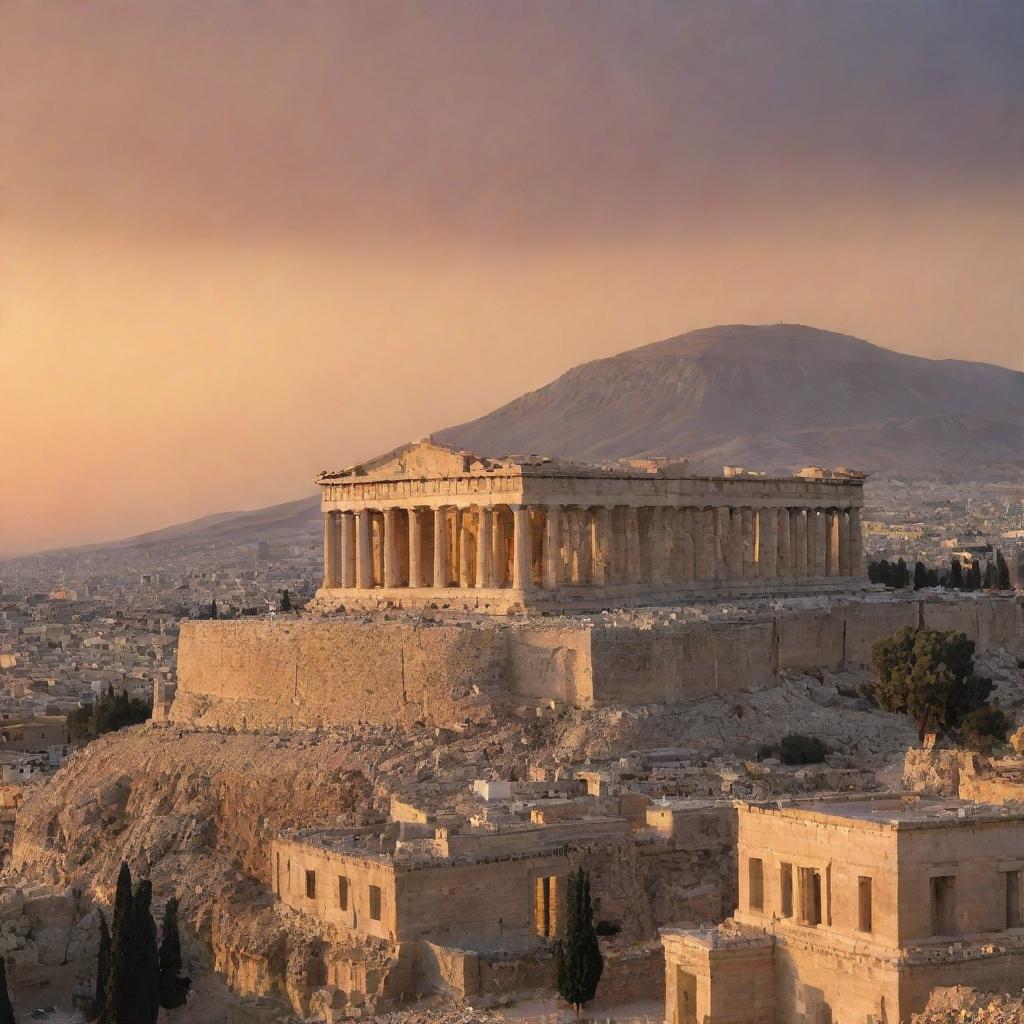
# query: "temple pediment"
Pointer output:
{"type": "Point", "coordinates": [416, 459]}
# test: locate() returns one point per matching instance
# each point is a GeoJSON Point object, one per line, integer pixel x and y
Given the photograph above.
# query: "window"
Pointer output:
{"type": "Point", "coordinates": [1013, 914]}
{"type": "Point", "coordinates": [810, 896]}
{"type": "Point", "coordinates": [310, 885]}
{"type": "Point", "coordinates": [786, 886]}
{"type": "Point", "coordinates": [755, 884]}
{"type": "Point", "coordinates": [943, 900]}
{"type": "Point", "coordinates": [864, 904]}
{"type": "Point", "coordinates": [374, 902]}
{"type": "Point", "coordinates": [342, 892]}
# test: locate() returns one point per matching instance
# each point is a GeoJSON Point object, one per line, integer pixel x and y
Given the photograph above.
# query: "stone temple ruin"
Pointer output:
{"type": "Point", "coordinates": [426, 524]}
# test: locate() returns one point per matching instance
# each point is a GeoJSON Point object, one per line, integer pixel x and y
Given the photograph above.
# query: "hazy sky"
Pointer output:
{"type": "Point", "coordinates": [244, 240]}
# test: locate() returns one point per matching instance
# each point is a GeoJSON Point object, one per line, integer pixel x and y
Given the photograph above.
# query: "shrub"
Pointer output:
{"type": "Point", "coordinates": [799, 749]}
{"type": "Point", "coordinates": [985, 727]}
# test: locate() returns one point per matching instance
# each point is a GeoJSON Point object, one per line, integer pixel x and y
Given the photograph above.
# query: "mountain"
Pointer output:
{"type": "Point", "coordinates": [287, 521]}
{"type": "Point", "coordinates": [774, 397]}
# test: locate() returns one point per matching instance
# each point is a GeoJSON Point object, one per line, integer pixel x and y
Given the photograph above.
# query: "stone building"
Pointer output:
{"type": "Point", "coordinates": [426, 524]}
{"type": "Point", "coordinates": [852, 911]}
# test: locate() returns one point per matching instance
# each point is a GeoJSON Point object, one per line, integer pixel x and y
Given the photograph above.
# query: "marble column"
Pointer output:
{"type": "Point", "coordinates": [364, 549]}
{"type": "Point", "coordinates": [832, 543]}
{"type": "Point", "coordinates": [440, 548]}
{"type": "Point", "coordinates": [820, 542]}
{"type": "Point", "coordinates": [735, 569]}
{"type": "Point", "coordinates": [484, 576]}
{"type": "Point", "coordinates": [799, 519]}
{"type": "Point", "coordinates": [749, 524]}
{"type": "Point", "coordinates": [466, 575]}
{"type": "Point", "coordinates": [586, 547]}
{"type": "Point", "coordinates": [551, 574]}
{"type": "Point", "coordinates": [767, 548]}
{"type": "Point", "coordinates": [522, 576]}
{"type": "Point", "coordinates": [600, 544]}
{"type": "Point", "coordinates": [331, 560]}
{"type": "Point", "coordinates": [632, 545]}
{"type": "Point", "coordinates": [723, 540]}
{"type": "Point", "coordinates": [844, 542]}
{"type": "Point", "coordinates": [499, 550]}
{"type": "Point", "coordinates": [415, 548]}
{"type": "Point", "coordinates": [784, 544]}
{"type": "Point", "coordinates": [704, 534]}
{"type": "Point", "coordinates": [391, 571]}
{"type": "Point", "coordinates": [856, 544]}
{"type": "Point", "coordinates": [656, 545]}
{"type": "Point", "coordinates": [687, 556]}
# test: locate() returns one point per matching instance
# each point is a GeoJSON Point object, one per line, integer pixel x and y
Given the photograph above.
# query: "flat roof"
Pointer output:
{"type": "Point", "coordinates": [906, 810]}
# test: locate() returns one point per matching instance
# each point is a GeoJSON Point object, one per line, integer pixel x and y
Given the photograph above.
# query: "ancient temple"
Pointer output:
{"type": "Point", "coordinates": [428, 525]}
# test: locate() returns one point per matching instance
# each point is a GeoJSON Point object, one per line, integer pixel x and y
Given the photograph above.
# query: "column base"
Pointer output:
{"type": "Point", "coordinates": [509, 600]}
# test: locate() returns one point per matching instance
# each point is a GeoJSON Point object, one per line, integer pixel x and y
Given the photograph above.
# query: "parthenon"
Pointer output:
{"type": "Point", "coordinates": [426, 524]}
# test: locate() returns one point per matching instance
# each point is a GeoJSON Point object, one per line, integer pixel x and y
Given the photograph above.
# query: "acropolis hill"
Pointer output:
{"type": "Point", "coordinates": [451, 578]}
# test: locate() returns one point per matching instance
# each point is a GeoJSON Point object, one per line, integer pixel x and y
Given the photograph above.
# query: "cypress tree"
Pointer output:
{"type": "Point", "coordinates": [974, 575]}
{"type": "Point", "coordinates": [989, 579]}
{"type": "Point", "coordinates": [102, 969]}
{"type": "Point", "coordinates": [920, 576]}
{"type": "Point", "coordinates": [578, 957]}
{"type": "Point", "coordinates": [286, 601]}
{"type": "Point", "coordinates": [213, 609]}
{"type": "Point", "coordinates": [173, 987]}
{"type": "Point", "coordinates": [6, 1010]}
{"type": "Point", "coordinates": [1002, 572]}
{"type": "Point", "coordinates": [146, 956]}
{"type": "Point", "coordinates": [902, 574]}
{"type": "Point", "coordinates": [956, 575]}
{"type": "Point", "coordinates": [120, 980]}
{"type": "Point", "coordinates": [884, 573]}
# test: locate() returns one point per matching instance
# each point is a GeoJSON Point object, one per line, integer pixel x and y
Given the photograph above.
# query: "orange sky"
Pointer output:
{"type": "Point", "coordinates": [242, 241]}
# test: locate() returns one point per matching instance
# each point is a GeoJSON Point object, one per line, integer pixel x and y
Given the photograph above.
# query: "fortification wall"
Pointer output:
{"type": "Point", "coordinates": [307, 672]}
{"type": "Point", "coordinates": [302, 674]}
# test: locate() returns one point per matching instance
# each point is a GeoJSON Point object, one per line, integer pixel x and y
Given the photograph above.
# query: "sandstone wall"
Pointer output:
{"type": "Point", "coordinates": [303, 673]}
{"type": "Point", "coordinates": [308, 673]}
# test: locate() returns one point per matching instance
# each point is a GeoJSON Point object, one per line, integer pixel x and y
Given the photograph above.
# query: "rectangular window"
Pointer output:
{"type": "Point", "coordinates": [943, 905]}
{"type": "Point", "coordinates": [810, 896]}
{"type": "Point", "coordinates": [1013, 915]}
{"type": "Point", "coordinates": [755, 884]}
{"type": "Point", "coordinates": [310, 885]}
{"type": "Point", "coordinates": [374, 902]}
{"type": "Point", "coordinates": [786, 885]}
{"type": "Point", "coordinates": [342, 892]}
{"type": "Point", "coordinates": [864, 904]}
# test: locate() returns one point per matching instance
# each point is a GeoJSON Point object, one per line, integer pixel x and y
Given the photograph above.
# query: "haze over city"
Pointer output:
{"type": "Point", "coordinates": [242, 242]}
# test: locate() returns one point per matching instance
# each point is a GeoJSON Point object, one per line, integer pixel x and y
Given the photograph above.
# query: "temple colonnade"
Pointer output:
{"type": "Point", "coordinates": [551, 547]}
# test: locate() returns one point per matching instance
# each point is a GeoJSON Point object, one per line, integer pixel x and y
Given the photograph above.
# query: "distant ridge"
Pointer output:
{"type": "Point", "coordinates": [773, 397]}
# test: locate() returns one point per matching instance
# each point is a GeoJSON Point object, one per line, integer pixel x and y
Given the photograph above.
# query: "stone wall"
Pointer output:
{"type": "Point", "coordinates": [306, 672]}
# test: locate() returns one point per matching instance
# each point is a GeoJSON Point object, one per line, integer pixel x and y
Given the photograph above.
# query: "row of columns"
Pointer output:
{"type": "Point", "coordinates": [557, 546]}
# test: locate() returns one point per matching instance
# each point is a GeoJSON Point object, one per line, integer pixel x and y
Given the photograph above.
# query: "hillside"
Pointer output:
{"type": "Point", "coordinates": [774, 397]}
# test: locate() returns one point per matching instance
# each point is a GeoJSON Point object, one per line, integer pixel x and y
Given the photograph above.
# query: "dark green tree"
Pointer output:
{"type": "Point", "coordinates": [933, 577]}
{"type": "Point", "coordinates": [929, 675]}
{"type": "Point", "coordinates": [102, 969]}
{"type": "Point", "coordinates": [1002, 572]}
{"type": "Point", "coordinates": [988, 580]}
{"type": "Point", "coordinates": [955, 580]}
{"type": "Point", "coordinates": [885, 572]}
{"type": "Point", "coordinates": [6, 1010]}
{"type": "Point", "coordinates": [121, 981]}
{"type": "Point", "coordinates": [213, 609]}
{"type": "Point", "coordinates": [873, 572]}
{"type": "Point", "coordinates": [974, 575]}
{"type": "Point", "coordinates": [146, 983]}
{"type": "Point", "coordinates": [920, 576]}
{"type": "Point", "coordinates": [286, 601]}
{"type": "Point", "coordinates": [985, 727]}
{"type": "Point", "coordinates": [173, 987]}
{"type": "Point", "coordinates": [902, 575]}
{"type": "Point", "coordinates": [578, 956]}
